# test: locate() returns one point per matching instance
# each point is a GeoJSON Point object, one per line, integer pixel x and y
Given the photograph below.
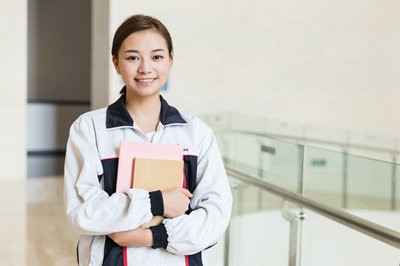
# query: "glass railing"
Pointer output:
{"type": "Point", "coordinates": [260, 233]}
{"type": "Point", "coordinates": [335, 178]}
{"type": "Point", "coordinates": [379, 147]}
{"type": "Point", "coordinates": [266, 228]}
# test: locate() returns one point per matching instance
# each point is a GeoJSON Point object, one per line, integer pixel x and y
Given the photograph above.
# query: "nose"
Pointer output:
{"type": "Point", "coordinates": [145, 66]}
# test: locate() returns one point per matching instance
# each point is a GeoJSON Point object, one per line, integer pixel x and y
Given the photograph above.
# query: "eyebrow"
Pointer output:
{"type": "Point", "coordinates": [137, 51]}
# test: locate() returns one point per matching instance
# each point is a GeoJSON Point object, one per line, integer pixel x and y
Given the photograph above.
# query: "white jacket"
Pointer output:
{"type": "Point", "coordinates": [93, 209]}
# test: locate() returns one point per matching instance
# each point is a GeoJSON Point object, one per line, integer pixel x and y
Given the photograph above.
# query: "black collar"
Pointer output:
{"type": "Point", "coordinates": [118, 115]}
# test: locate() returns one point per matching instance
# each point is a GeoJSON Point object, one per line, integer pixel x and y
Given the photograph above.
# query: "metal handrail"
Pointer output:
{"type": "Point", "coordinates": [364, 226]}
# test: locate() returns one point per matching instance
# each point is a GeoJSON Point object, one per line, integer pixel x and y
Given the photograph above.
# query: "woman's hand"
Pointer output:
{"type": "Point", "coordinates": [138, 237]}
{"type": "Point", "coordinates": [176, 201]}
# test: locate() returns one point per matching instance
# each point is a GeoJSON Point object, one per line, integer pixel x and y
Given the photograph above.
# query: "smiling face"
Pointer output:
{"type": "Point", "coordinates": [144, 63]}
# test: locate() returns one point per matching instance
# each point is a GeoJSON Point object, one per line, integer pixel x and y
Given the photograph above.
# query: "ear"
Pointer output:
{"type": "Point", "coordinates": [115, 63]}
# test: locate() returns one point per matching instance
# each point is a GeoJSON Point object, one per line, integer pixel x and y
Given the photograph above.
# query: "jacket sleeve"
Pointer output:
{"type": "Point", "coordinates": [211, 204]}
{"type": "Point", "coordinates": [89, 209]}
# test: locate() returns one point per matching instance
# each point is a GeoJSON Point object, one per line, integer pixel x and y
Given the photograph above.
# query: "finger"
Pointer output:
{"type": "Point", "coordinates": [187, 193]}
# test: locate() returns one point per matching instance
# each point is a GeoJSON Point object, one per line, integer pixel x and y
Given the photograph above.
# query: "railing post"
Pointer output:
{"type": "Point", "coordinates": [227, 245]}
{"type": "Point", "coordinates": [295, 235]}
{"type": "Point", "coordinates": [260, 174]}
{"type": "Point", "coordinates": [300, 181]}
{"type": "Point", "coordinates": [227, 236]}
{"type": "Point", "coordinates": [345, 179]}
{"type": "Point", "coordinates": [394, 184]}
{"type": "Point", "coordinates": [263, 149]}
{"type": "Point", "coordinates": [260, 161]}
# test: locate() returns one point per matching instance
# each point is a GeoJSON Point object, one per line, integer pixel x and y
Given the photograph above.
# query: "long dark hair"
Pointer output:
{"type": "Point", "coordinates": [138, 23]}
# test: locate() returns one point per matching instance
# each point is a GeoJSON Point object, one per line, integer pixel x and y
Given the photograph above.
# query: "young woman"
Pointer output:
{"type": "Point", "coordinates": [196, 216]}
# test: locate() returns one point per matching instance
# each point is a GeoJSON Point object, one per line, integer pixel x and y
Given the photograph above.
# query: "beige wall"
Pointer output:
{"type": "Point", "coordinates": [13, 79]}
{"type": "Point", "coordinates": [315, 62]}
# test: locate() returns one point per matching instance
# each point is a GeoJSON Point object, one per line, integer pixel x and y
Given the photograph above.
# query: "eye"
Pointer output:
{"type": "Point", "coordinates": [158, 57]}
{"type": "Point", "coordinates": [133, 58]}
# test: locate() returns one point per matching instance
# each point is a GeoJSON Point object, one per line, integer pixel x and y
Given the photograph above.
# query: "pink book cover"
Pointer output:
{"type": "Point", "coordinates": [129, 150]}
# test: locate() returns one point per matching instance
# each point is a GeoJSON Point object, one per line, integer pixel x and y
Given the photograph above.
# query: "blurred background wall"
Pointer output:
{"type": "Point", "coordinates": [326, 64]}
{"type": "Point", "coordinates": [317, 62]}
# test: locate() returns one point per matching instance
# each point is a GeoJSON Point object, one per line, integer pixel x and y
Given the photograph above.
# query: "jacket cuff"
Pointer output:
{"type": "Point", "coordinates": [160, 236]}
{"type": "Point", "coordinates": [156, 202]}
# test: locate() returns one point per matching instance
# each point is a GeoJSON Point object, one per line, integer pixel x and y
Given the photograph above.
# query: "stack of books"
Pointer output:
{"type": "Point", "coordinates": [149, 166]}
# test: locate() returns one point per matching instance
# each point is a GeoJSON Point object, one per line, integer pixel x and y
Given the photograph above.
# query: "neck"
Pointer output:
{"type": "Point", "coordinates": [143, 105]}
{"type": "Point", "coordinates": [145, 111]}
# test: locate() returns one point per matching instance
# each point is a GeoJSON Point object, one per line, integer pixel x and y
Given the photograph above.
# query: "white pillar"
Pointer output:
{"type": "Point", "coordinates": [13, 101]}
{"type": "Point", "coordinates": [13, 89]}
{"type": "Point", "coordinates": [101, 54]}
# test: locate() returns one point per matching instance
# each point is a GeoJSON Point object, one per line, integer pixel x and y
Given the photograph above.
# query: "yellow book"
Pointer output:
{"type": "Point", "coordinates": [156, 174]}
